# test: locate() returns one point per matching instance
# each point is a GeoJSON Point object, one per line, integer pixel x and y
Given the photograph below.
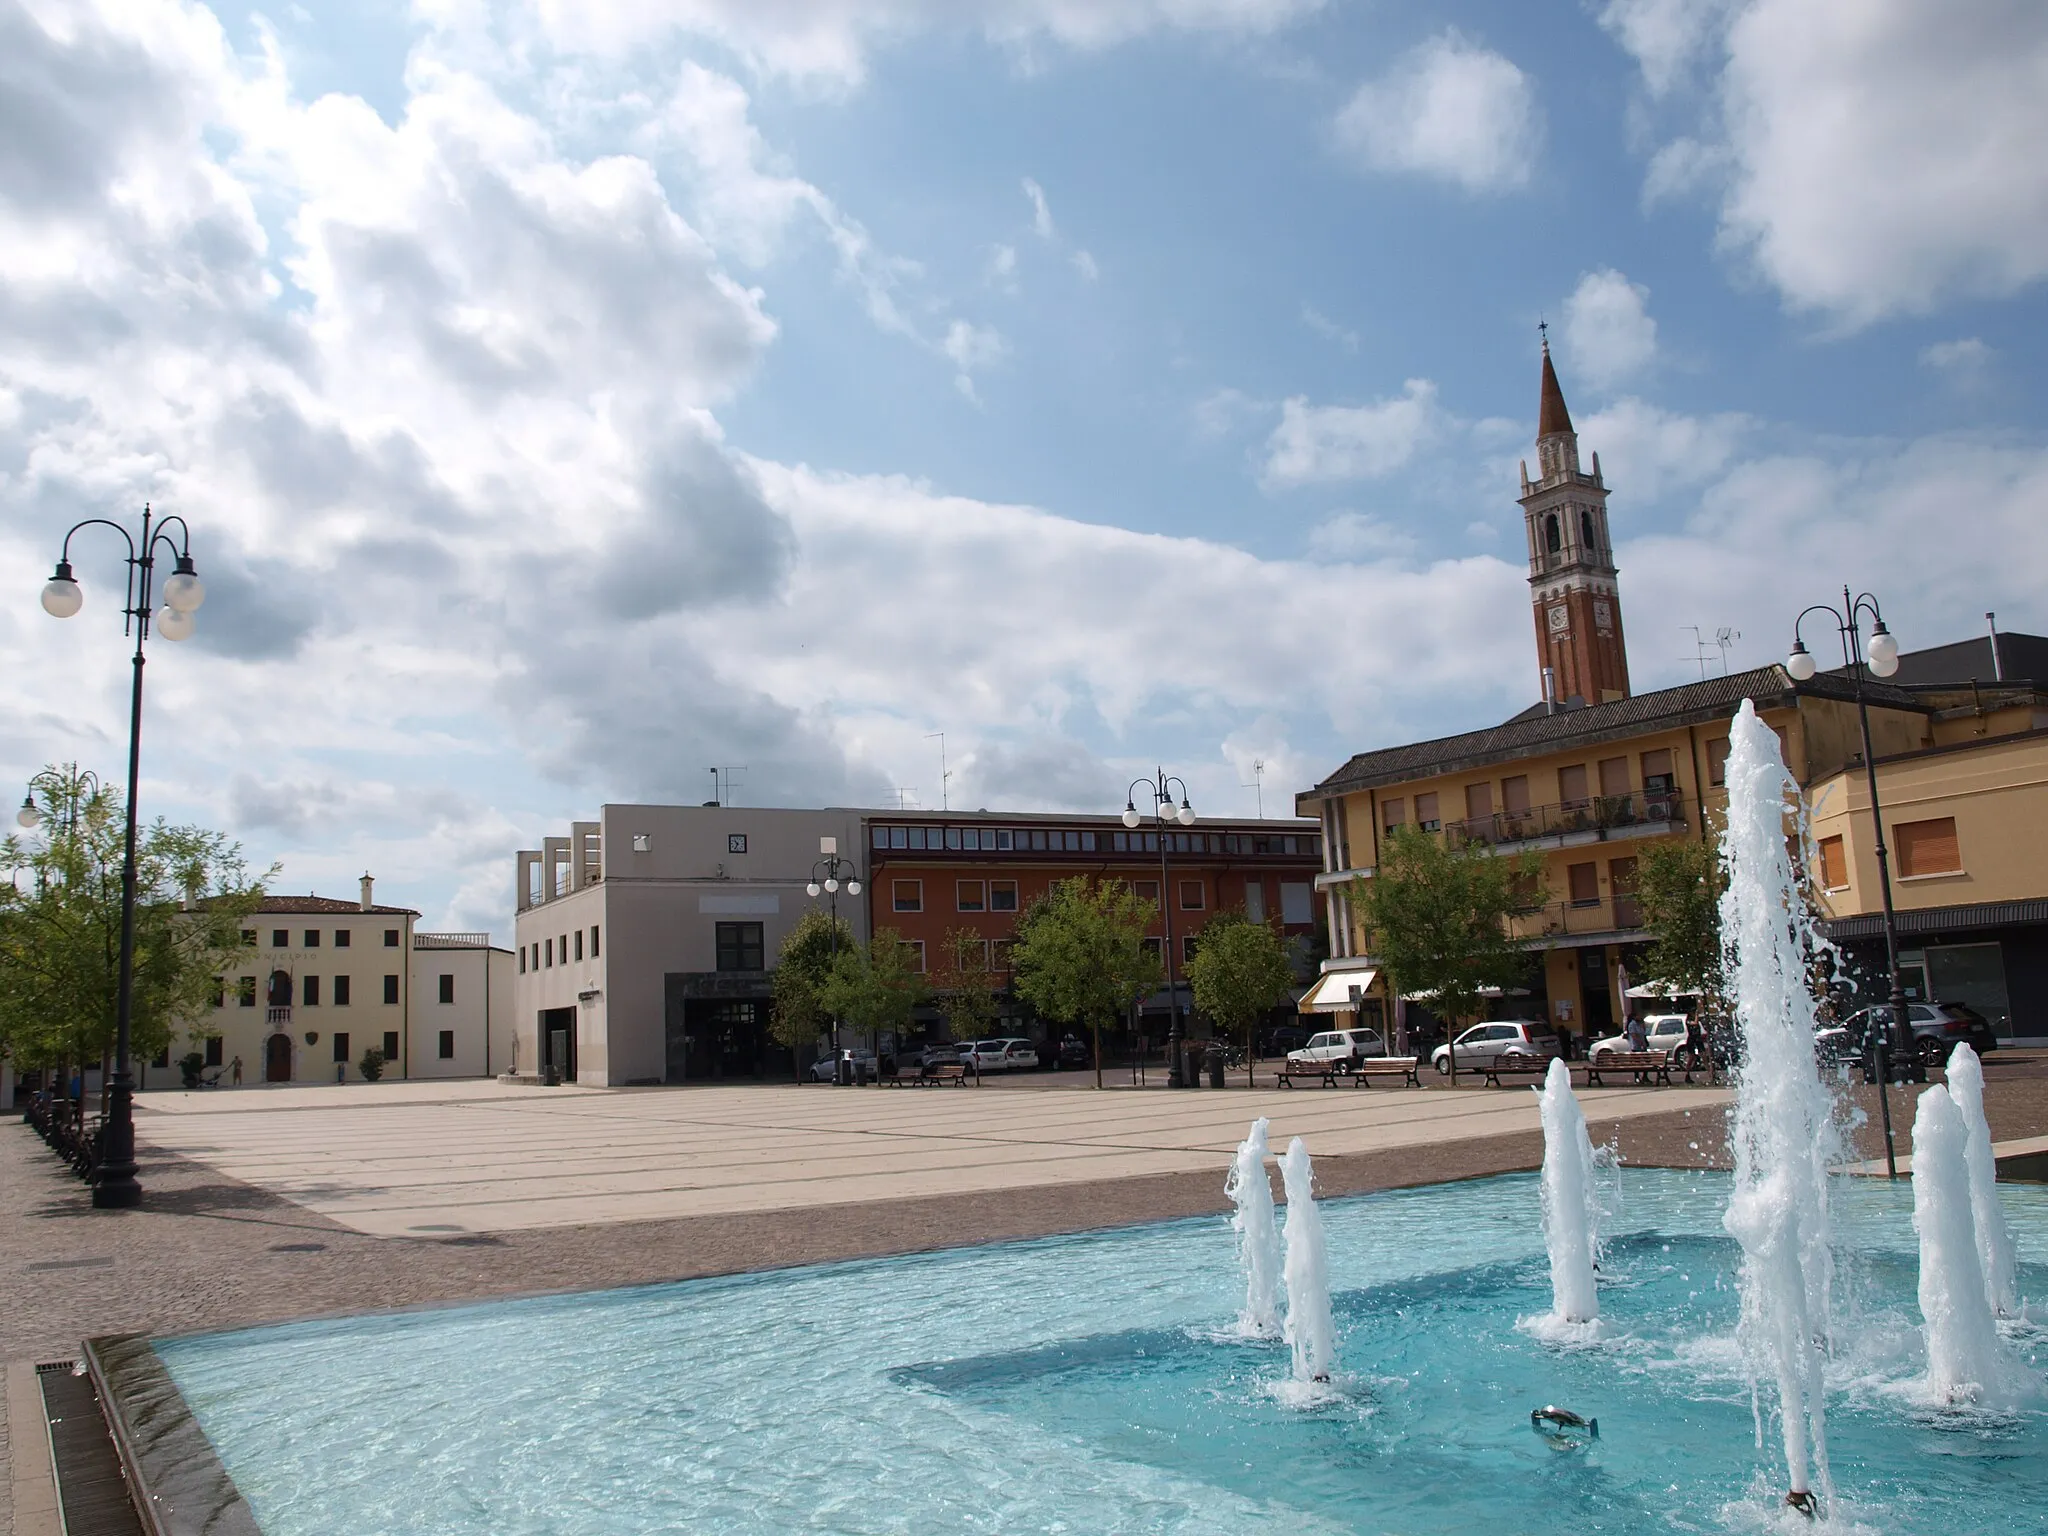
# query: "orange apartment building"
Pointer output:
{"type": "Point", "coordinates": [929, 875]}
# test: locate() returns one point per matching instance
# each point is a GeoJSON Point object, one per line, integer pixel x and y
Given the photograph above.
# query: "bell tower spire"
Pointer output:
{"type": "Point", "coordinates": [1572, 585]}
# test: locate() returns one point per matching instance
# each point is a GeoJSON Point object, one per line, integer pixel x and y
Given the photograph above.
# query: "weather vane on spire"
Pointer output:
{"type": "Point", "coordinates": [1543, 329]}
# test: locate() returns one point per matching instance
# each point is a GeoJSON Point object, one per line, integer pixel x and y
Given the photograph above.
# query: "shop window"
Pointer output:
{"type": "Point", "coordinates": [1928, 847]}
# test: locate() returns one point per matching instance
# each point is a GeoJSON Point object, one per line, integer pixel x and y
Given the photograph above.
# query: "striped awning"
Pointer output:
{"type": "Point", "coordinates": [1332, 991]}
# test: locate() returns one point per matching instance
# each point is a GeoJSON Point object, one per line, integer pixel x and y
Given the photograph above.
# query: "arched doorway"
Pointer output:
{"type": "Point", "coordinates": [277, 1059]}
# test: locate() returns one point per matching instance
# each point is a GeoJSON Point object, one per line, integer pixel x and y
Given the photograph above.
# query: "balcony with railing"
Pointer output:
{"type": "Point", "coordinates": [1637, 814]}
{"type": "Point", "coordinates": [279, 1017]}
{"type": "Point", "coordinates": [1578, 919]}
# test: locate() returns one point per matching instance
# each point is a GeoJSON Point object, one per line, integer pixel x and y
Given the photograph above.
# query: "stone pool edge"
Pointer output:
{"type": "Point", "coordinates": [176, 1479]}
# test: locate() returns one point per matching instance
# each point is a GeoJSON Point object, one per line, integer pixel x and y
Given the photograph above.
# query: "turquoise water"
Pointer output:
{"type": "Point", "coordinates": [1085, 1385]}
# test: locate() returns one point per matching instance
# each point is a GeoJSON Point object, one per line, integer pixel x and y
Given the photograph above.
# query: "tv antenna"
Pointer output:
{"type": "Point", "coordinates": [724, 782]}
{"type": "Point", "coordinates": [906, 798]}
{"type": "Point", "coordinates": [945, 773]}
{"type": "Point", "coordinates": [1725, 638]}
{"type": "Point", "coordinates": [1258, 784]}
{"type": "Point", "coordinates": [1703, 651]}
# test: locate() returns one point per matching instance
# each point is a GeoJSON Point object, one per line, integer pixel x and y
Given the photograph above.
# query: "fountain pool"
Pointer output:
{"type": "Point", "coordinates": [1098, 1383]}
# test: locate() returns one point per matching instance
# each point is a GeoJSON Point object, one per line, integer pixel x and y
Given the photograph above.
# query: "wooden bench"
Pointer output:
{"type": "Point", "coordinates": [1515, 1064]}
{"type": "Point", "coordinates": [1327, 1071]}
{"type": "Point", "coordinates": [938, 1072]}
{"type": "Point", "coordinates": [1387, 1066]}
{"type": "Point", "coordinates": [1646, 1067]}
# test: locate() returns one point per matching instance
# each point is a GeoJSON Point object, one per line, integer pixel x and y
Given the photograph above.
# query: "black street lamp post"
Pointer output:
{"type": "Point", "coordinates": [828, 876]}
{"type": "Point", "coordinates": [1161, 787]}
{"type": "Point", "coordinates": [1881, 656]}
{"type": "Point", "coordinates": [115, 1185]}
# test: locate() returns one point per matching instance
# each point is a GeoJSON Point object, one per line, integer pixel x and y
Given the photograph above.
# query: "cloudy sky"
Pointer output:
{"type": "Point", "coordinates": [570, 396]}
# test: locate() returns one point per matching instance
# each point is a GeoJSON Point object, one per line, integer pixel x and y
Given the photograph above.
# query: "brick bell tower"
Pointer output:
{"type": "Point", "coordinates": [1571, 562]}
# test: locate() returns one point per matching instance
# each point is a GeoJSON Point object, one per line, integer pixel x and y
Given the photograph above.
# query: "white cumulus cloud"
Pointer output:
{"type": "Point", "coordinates": [1608, 329]}
{"type": "Point", "coordinates": [1320, 443]}
{"type": "Point", "coordinates": [1871, 159]}
{"type": "Point", "coordinates": [1447, 109]}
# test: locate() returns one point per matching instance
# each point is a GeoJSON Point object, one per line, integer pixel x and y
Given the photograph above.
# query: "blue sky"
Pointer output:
{"type": "Point", "coordinates": [570, 398]}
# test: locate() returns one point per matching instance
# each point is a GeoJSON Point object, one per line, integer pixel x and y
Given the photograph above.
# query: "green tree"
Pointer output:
{"type": "Point", "coordinates": [797, 1011]}
{"type": "Point", "coordinates": [876, 988]}
{"type": "Point", "coordinates": [1080, 955]}
{"type": "Point", "coordinates": [963, 986]}
{"type": "Point", "coordinates": [1239, 972]}
{"type": "Point", "coordinates": [60, 926]}
{"type": "Point", "coordinates": [1436, 919]}
{"type": "Point", "coordinates": [1678, 886]}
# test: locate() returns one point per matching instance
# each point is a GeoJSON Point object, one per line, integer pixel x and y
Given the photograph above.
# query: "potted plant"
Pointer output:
{"type": "Point", "coordinates": [372, 1065]}
{"type": "Point", "coordinates": [190, 1065]}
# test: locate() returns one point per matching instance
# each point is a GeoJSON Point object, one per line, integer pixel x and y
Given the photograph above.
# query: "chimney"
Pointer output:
{"type": "Point", "coordinates": [1997, 666]}
{"type": "Point", "coordinates": [368, 886]}
{"type": "Point", "coordinates": [1549, 691]}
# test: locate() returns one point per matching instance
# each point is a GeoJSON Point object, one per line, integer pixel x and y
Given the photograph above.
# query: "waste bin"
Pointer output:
{"type": "Point", "coordinates": [1213, 1057]}
{"type": "Point", "coordinates": [1191, 1073]}
{"type": "Point", "coordinates": [844, 1074]}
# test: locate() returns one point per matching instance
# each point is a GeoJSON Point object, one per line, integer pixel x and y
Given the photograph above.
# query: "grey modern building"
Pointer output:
{"type": "Point", "coordinates": [643, 939]}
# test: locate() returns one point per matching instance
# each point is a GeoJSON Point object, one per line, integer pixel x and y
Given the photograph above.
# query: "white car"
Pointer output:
{"type": "Point", "coordinates": [826, 1069]}
{"type": "Point", "coordinates": [1670, 1032]}
{"type": "Point", "coordinates": [1012, 1055]}
{"type": "Point", "coordinates": [1482, 1043]}
{"type": "Point", "coordinates": [1341, 1045]}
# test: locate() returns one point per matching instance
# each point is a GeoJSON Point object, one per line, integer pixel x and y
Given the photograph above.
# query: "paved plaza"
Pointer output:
{"type": "Point", "coordinates": [433, 1159]}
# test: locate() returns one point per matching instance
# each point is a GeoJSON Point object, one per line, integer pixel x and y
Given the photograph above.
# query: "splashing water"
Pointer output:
{"type": "Point", "coordinates": [1962, 1339]}
{"type": "Point", "coordinates": [1994, 1238]}
{"type": "Point", "coordinates": [1311, 1329]}
{"type": "Point", "coordinates": [1783, 1131]}
{"type": "Point", "coordinates": [1258, 1235]}
{"type": "Point", "coordinates": [1569, 1229]}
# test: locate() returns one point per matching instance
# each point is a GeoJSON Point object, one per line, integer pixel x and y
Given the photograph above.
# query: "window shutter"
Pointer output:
{"type": "Point", "coordinates": [1928, 847]}
{"type": "Point", "coordinates": [1834, 870]}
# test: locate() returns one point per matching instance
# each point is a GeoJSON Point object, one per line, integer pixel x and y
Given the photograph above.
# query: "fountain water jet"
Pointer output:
{"type": "Point", "coordinates": [1258, 1235]}
{"type": "Point", "coordinates": [1311, 1329]}
{"type": "Point", "coordinates": [1783, 1129]}
{"type": "Point", "coordinates": [1962, 1339]}
{"type": "Point", "coordinates": [1994, 1238]}
{"type": "Point", "coordinates": [1568, 1222]}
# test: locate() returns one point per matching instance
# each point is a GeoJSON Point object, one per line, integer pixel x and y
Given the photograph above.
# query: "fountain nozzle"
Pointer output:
{"type": "Point", "coordinates": [1802, 1499]}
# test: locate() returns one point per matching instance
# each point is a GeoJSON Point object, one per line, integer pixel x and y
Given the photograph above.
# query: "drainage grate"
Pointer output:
{"type": "Point", "coordinates": [70, 1264]}
{"type": "Point", "coordinates": [91, 1489]}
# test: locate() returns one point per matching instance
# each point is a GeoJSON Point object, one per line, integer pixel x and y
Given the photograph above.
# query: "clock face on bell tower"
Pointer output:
{"type": "Point", "coordinates": [1572, 575]}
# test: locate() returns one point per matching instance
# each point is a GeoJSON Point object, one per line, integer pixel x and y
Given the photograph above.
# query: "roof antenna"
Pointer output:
{"type": "Point", "coordinates": [1258, 784]}
{"type": "Point", "coordinates": [1997, 666]}
{"type": "Point", "coordinates": [945, 773]}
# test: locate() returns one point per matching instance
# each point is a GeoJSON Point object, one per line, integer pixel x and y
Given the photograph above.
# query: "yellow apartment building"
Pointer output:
{"type": "Point", "coordinates": [1593, 774]}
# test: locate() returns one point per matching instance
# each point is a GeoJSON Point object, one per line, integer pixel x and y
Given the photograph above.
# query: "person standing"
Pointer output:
{"type": "Point", "coordinates": [236, 1071]}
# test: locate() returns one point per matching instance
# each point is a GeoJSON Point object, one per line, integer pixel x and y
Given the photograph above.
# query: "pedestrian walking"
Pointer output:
{"type": "Point", "coordinates": [237, 1071]}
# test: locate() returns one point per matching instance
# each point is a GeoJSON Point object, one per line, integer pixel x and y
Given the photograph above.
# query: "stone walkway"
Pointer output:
{"type": "Point", "coordinates": [484, 1158]}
